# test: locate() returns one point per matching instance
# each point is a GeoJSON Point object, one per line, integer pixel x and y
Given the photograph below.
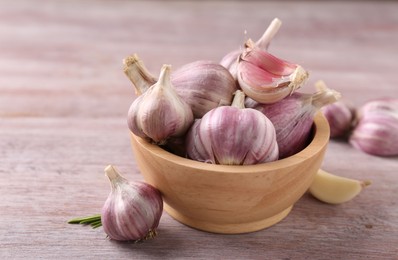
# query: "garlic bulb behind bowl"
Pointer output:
{"type": "Point", "coordinates": [340, 118]}
{"type": "Point", "coordinates": [376, 131]}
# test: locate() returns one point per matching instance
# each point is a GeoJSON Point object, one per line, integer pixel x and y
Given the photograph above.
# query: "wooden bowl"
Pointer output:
{"type": "Point", "coordinates": [231, 199]}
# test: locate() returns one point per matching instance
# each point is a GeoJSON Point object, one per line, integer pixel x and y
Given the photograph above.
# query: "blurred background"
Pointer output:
{"type": "Point", "coordinates": [77, 47]}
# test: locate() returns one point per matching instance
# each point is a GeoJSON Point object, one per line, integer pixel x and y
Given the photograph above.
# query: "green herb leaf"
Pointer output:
{"type": "Point", "coordinates": [94, 221]}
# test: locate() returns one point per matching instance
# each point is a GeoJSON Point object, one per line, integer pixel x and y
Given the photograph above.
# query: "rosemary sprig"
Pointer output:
{"type": "Point", "coordinates": [94, 221]}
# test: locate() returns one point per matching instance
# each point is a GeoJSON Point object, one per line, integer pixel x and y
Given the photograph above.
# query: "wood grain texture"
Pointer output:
{"type": "Point", "coordinates": [64, 98]}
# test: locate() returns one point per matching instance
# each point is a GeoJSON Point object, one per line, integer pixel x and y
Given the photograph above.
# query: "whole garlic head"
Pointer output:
{"type": "Point", "coordinates": [232, 135]}
{"type": "Point", "coordinates": [159, 113]}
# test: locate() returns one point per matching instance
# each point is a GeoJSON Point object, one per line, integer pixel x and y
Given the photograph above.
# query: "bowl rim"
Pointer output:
{"type": "Point", "coordinates": [319, 141]}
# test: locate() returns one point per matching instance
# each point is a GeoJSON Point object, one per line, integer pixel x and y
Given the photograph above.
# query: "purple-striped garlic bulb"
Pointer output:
{"type": "Point", "coordinates": [230, 60]}
{"type": "Point", "coordinates": [376, 131]}
{"type": "Point", "coordinates": [267, 78]}
{"type": "Point", "coordinates": [204, 85]}
{"type": "Point", "coordinates": [160, 113]}
{"type": "Point", "coordinates": [339, 114]}
{"type": "Point", "coordinates": [132, 210]}
{"type": "Point", "coordinates": [293, 118]}
{"type": "Point", "coordinates": [340, 117]}
{"type": "Point", "coordinates": [232, 135]}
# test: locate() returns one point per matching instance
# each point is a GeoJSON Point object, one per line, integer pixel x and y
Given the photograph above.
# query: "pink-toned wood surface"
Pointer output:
{"type": "Point", "coordinates": [64, 99]}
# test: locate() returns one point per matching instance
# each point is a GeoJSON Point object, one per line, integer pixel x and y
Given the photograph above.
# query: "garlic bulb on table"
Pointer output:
{"type": "Point", "coordinates": [340, 118]}
{"type": "Point", "coordinates": [159, 113]}
{"type": "Point", "coordinates": [376, 131]}
{"type": "Point", "coordinates": [232, 135]}
{"type": "Point", "coordinates": [266, 78]}
{"type": "Point", "coordinates": [230, 60]}
{"type": "Point", "coordinates": [293, 117]}
{"type": "Point", "coordinates": [132, 210]}
{"type": "Point", "coordinates": [339, 115]}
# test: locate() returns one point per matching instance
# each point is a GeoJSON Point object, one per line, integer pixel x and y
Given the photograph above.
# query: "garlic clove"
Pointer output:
{"type": "Point", "coordinates": [132, 210]}
{"type": "Point", "coordinates": [136, 71]}
{"type": "Point", "coordinates": [333, 189]}
{"type": "Point", "coordinates": [293, 116]}
{"type": "Point", "coordinates": [376, 131]}
{"type": "Point", "coordinates": [159, 113]}
{"type": "Point", "coordinates": [266, 78]}
{"type": "Point", "coordinates": [204, 85]}
{"type": "Point", "coordinates": [232, 135]}
{"type": "Point", "coordinates": [230, 60]}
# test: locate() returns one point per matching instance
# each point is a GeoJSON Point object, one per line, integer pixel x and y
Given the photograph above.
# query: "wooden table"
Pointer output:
{"type": "Point", "coordinates": [64, 99]}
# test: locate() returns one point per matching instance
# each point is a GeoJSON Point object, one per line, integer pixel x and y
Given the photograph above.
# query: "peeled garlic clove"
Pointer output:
{"type": "Point", "coordinates": [132, 210]}
{"type": "Point", "coordinates": [293, 118]}
{"type": "Point", "coordinates": [136, 71]}
{"type": "Point", "coordinates": [230, 60]}
{"type": "Point", "coordinates": [266, 78]}
{"type": "Point", "coordinates": [232, 135]}
{"type": "Point", "coordinates": [204, 85]}
{"type": "Point", "coordinates": [333, 189]}
{"type": "Point", "coordinates": [376, 132]}
{"type": "Point", "coordinates": [159, 113]}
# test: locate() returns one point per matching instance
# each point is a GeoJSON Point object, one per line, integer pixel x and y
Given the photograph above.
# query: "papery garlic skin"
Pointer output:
{"type": "Point", "coordinates": [230, 60]}
{"type": "Point", "coordinates": [204, 85]}
{"type": "Point", "coordinates": [376, 131]}
{"type": "Point", "coordinates": [266, 78]}
{"type": "Point", "coordinates": [340, 118]}
{"type": "Point", "coordinates": [160, 113]}
{"type": "Point", "coordinates": [132, 210]}
{"type": "Point", "coordinates": [293, 116]}
{"type": "Point", "coordinates": [232, 135]}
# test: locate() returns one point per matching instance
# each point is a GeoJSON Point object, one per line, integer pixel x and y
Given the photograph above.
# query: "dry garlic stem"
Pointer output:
{"type": "Point", "coordinates": [230, 61]}
{"type": "Point", "coordinates": [135, 70]}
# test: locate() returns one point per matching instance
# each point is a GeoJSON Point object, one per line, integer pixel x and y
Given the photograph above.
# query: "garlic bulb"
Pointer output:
{"type": "Point", "coordinates": [339, 115]}
{"type": "Point", "coordinates": [204, 85]}
{"type": "Point", "coordinates": [340, 118]}
{"type": "Point", "coordinates": [132, 210]}
{"type": "Point", "coordinates": [230, 60]}
{"type": "Point", "coordinates": [159, 113]}
{"type": "Point", "coordinates": [136, 71]}
{"type": "Point", "coordinates": [377, 130]}
{"type": "Point", "coordinates": [293, 118]}
{"type": "Point", "coordinates": [232, 135]}
{"type": "Point", "coordinates": [380, 105]}
{"type": "Point", "coordinates": [266, 78]}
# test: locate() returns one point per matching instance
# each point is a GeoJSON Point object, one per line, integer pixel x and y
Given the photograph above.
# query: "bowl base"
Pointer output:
{"type": "Point", "coordinates": [227, 228]}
